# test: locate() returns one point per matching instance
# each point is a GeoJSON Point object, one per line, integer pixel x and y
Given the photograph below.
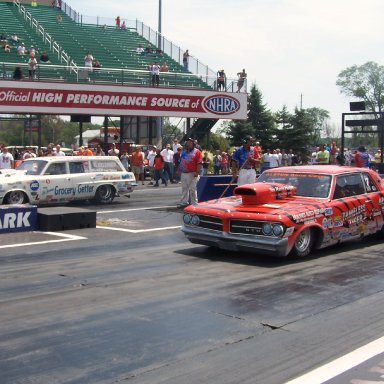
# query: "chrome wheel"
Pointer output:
{"type": "Point", "coordinates": [15, 197]}
{"type": "Point", "coordinates": [303, 243]}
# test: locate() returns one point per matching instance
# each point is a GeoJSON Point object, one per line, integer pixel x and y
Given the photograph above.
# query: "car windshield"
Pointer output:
{"type": "Point", "coordinates": [33, 167]}
{"type": "Point", "coordinates": [307, 185]}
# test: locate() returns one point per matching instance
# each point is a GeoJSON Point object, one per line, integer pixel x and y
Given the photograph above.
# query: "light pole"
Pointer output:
{"type": "Point", "coordinates": [159, 28]}
{"type": "Point", "coordinates": [159, 120]}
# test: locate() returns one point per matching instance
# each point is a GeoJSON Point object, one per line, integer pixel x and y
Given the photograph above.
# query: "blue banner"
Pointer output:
{"type": "Point", "coordinates": [18, 218]}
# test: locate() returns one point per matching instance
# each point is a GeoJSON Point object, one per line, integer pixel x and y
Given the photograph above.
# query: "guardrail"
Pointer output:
{"type": "Point", "coordinates": [113, 76]}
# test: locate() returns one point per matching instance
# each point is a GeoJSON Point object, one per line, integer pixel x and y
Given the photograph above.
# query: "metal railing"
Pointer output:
{"type": "Point", "coordinates": [54, 46]}
{"type": "Point", "coordinates": [195, 66]}
{"type": "Point", "coordinates": [202, 71]}
{"type": "Point", "coordinates": [126, 77]}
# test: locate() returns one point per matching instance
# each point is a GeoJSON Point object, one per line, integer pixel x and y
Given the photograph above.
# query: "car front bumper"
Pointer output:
{"type": "Point", "coordinates": [276, 246]}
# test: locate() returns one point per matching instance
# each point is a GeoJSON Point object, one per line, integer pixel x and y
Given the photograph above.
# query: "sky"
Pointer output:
{"type": "Point", "coordinates": [293, 50]}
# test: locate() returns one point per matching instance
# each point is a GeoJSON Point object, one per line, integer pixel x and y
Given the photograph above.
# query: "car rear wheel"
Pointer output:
{"type": "Point", "coordinates": [15, 197]}
{"type": "Point", "coordinates": [104, 194]}
{"type": "Point", "coordinates": [303, 243]}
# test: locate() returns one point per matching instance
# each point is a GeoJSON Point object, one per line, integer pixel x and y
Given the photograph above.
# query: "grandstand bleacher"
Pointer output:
{"type": "Point", "coordinates": [114, 48]}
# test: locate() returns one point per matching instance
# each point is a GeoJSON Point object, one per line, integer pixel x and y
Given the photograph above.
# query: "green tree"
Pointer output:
{"type": "Point", "coordinates": [284, 128]}
{"type": "Point", "coordinates": [364, 82]}
{"type": "Point", "coordinates": [320, 123]}
{"type": "Point", "coordinates": [301, 133]}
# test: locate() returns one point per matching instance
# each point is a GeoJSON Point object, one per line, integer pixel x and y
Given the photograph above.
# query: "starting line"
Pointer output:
{"type": "Point", "coordinates": [64, 237]}
{"type": "Point", "coordinates": [342, 364]}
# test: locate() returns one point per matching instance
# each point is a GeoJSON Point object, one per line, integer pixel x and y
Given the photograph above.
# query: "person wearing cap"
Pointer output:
{"type": "Point", "coordinates": [362, 157]}
{"type": "Point", "coordinates": [32, 51]}
{"type": "Point", "coordinates": [176, 145]}
{"type": "Point", "coordinates": [32, 64]}
{"type": "Point", "coordinates": [243, 162]}
{"type": "Point", "coordinates": [189, 167]}
{"type": "Point", "coordinates": [21, 49]}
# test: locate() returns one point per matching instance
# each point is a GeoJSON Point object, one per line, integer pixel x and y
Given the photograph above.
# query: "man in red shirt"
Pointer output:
{"type": "Point", "coordinates": [190, 164]}
{"type": "Point", "coordinates": [158, 165]}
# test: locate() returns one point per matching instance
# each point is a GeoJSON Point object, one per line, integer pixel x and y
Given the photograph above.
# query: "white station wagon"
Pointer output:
{"type": "Point", "coordinates": [61, 179]}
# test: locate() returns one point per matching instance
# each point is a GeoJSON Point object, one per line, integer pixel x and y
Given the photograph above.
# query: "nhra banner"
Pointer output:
{"type": "Point", "coordinates": [18, 218]}
{"type": "Point", "coordinates": [71, 99]}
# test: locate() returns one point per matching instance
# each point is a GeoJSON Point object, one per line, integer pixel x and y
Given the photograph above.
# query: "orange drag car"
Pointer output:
{"type": "Point", "coordinates": [291, 211]}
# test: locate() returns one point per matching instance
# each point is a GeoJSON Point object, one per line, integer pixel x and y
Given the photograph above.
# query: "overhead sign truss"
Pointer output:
{"type": "Point", "coordinates": [89, 99]}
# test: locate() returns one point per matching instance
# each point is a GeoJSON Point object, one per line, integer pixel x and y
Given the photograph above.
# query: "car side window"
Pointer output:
{"type": "Point", "coordinates": [56, 169]}
{"type": "Point", "coordinates": [348, 185]}
{"type": "Point", "coordinates": [370, 186]}
{"type": "Point", "coordinates": [76, 167]}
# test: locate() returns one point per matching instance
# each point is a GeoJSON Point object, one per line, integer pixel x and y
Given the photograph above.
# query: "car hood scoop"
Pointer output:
{"type": "Point", "coordinates": [262, 193]}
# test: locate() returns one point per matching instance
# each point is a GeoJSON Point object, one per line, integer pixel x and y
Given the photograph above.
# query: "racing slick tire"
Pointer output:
{"type": "Point", "coordinates": [303, 243]}
{"type": "Point", "coordinates": [104, 194]}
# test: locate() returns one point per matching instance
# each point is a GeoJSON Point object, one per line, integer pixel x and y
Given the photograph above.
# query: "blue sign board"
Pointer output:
{"type": "Point", "coordinates": [18, 218]}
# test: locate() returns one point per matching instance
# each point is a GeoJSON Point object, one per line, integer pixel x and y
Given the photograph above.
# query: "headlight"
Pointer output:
{"type": "Point", "coordinates": [278, 230]}
{"type": "Point", "coordinates": [195, 220]}
{"type": "Point", "coordinates": [187, 218]}
{"type": "Point", "coordinates": [267, 229]}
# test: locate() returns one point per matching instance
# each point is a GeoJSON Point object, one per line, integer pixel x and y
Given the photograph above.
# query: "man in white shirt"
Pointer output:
{"type": "Point", "coordinates": [151, 159]}
{"type": "Point", "coordinates": [176, 145]}
{"type": "Point", "coordinates": [155, 74]}
{"type": "Point", "coordinates": [6, 159]}
{"type": "Point", "coordinates": [113, 151]}
{"type": "Point", "coordinates": [59, 152]}
{"type": "Point", "coordinates": [274, 161]}
{"type": "Point", "coordinates": [270, 160]}
{"type": "Point", "coordinates": [168, 154]}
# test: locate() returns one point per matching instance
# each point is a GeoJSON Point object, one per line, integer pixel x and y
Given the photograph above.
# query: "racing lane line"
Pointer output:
{"type": "Point", "coordinates": [137, 230]}
{"type": "Point", "coordinates": [66, 238]}
{"type": "Point", "coordinates": [135, 209]}
{"type": "Point", "coordinates": [342, 364]}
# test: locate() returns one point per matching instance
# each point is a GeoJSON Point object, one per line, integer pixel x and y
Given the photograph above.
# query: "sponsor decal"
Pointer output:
{"type": "Point", "coordinates": [71, 191]}
{"type": "Point", "coordinates": [313, 213]}
{"type": "Point", "coordinates": [123, 100]}
{"type": "Point", "coordinates": [221, 104]}
{"type": "Point", "coordinates": [34, 185]}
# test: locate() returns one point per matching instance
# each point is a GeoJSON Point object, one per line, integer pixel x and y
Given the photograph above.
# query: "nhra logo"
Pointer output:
{"type": "Point", "coordinates": [34, 185]}
{"type": "Point", "coordinates": [221, 105]}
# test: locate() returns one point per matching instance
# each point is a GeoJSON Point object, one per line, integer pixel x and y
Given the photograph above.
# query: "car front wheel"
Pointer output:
{"type": "Point", "coordinates": [303, 243]}
{"type": "Point", "coordinates": [15, 197]}
{"type": "Point", "coordinates": [104, 194]}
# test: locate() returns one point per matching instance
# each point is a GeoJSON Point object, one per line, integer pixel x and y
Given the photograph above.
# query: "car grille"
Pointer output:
{"type": "Point", "coordinates": [246, 227]}
{"type": "Point", "coordinates": [209, 222]}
